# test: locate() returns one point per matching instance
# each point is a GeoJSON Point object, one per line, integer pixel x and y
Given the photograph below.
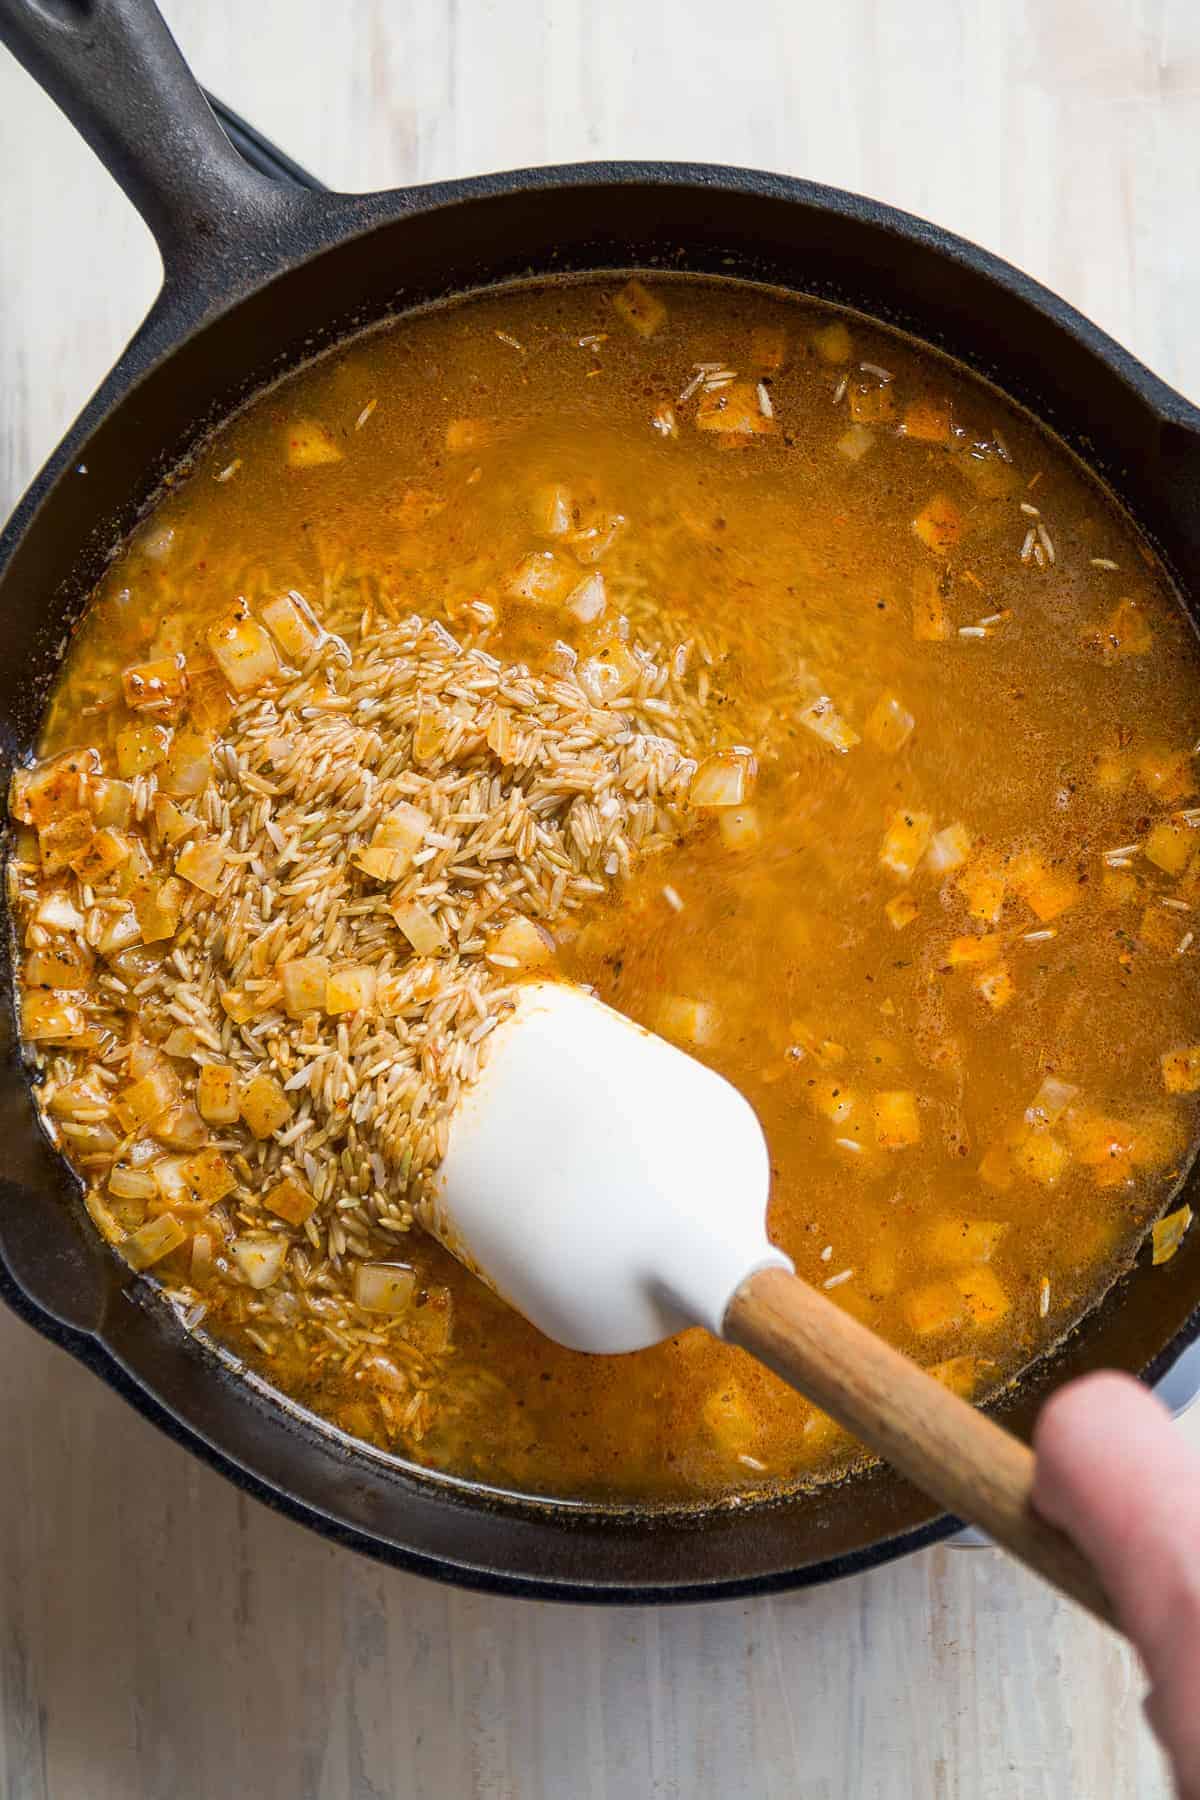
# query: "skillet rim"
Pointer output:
{"type": "Point", "coordinates": [323, 224]}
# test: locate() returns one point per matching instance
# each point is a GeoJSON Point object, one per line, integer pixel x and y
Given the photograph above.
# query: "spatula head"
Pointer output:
{"type": "Point", "coordinates": [608, 1186]}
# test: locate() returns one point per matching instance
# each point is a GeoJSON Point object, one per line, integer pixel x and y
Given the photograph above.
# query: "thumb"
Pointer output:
{"type": "Point", "coordinates": [1117, 1477]}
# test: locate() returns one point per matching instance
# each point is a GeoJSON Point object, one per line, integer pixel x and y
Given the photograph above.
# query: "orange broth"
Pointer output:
{"type": "Point", "coordinates": [941, 933]}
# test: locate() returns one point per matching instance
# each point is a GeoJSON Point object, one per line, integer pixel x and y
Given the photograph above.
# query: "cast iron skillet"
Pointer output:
{"type": "Point", "coordinates": [258, 276]}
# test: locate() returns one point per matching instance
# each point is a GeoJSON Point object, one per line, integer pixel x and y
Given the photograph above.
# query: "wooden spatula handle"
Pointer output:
{"type": "Point", "coordinates": [957, 1455]}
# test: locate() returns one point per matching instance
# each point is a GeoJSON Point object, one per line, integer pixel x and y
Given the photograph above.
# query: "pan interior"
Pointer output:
{"type": "Point", "coordinates": [223, 463]}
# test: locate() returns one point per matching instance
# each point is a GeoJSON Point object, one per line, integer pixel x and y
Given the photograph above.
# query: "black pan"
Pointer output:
{"type": "Point", "coordinates": [258, 276]}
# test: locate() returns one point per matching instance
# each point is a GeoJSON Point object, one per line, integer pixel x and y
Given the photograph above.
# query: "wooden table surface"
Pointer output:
{"type": "Point", "coordinates": [160, 1635]}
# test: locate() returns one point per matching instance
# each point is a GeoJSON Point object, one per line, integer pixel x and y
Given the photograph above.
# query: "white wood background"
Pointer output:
{"type": "Point", "coordinates": [159, 1634]}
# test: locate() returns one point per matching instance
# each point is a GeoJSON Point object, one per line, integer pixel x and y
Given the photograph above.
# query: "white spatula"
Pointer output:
{"type": "Point", "coordinates": [614, 1190]}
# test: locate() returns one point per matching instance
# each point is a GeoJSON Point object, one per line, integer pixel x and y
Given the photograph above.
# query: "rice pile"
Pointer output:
{"type": "Point", "coordinates": [547, 822]}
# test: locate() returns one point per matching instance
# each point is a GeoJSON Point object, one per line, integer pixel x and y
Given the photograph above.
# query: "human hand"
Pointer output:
{"type": "Point", "coordinates": [1114, 1474]}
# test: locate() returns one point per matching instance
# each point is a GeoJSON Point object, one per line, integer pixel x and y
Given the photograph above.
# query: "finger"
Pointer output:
{"type": "Point", "coordinates": [1120, 1480]}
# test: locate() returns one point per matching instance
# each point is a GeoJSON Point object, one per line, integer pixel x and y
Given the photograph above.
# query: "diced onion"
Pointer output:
{"type": "Point", "coordinates": [939, 524]}
{"type": "Point", "coordinates": [523, 944]}
{"type": "Point", "coordinates": [905, 842]}
{"type": "Point", "coordinates": [997, 988]}
{"type": "Point", "coordinates": [832, 342]}
{"type": "Point", "coordinates": [610, 673]}
{"type": "Point", "coordinates": [304, 981]}
{"type": "Point", "coordinates": [1181, 1070]}
{"type": "Point", "coordinates": [264, 1106]}
{"type": "Point", "coordinates": [203, 865]}
{"type": "Point", "coordinates": [1167, 1234]}
{"type": "Point", "coordinates": [217, 1097]}
{"type": "Point", "coordinates": [152, 1241]}
{"type": "Point", "coordinates": [384, 1287]}
{"type": "Point", "coordinates": [1050, 1102]}
{"type": "Point", "coordinates": [293, 624]}
{"type": "Point", "coordinates": [954, 1240]}
{"type": "Point", "coordinates": [854, 442]}
{"type": "Point", "coordinates": [289, 1200]}
{"type": "Point", "coordinates": [641, 310]}
{"type": "Point", "coordinates": [244, 652]}
{"type": "Point", "coordinates": [541, 578]}
{"type": "Point", "coordinates": [553, 511]}
{"type": "Point", "coordinates": [949, 849]}
{"type": "Point", "coordinates": [310, 444]}
{"type": "Point", "coordinates": [688, 1021]}
{"type": "Point", "coordinates": [588, 600]}
{"type": "Point", "coordinates": [259, 1258]}
{"type": "Point", "coordinates": [350, 989]}
{"type": "Point", "coordinates": [889, 724]}
{"type": "Point", "coordinates": [823, 719]}
{"type": "Point", "coordinates": [425, 932]}
{"type": "Point", "coordinates": [726, 779]}
{"type": "Point", "coordinates": [131, 1184]}
{"type": "Point", "coordinates": [897, 1121]}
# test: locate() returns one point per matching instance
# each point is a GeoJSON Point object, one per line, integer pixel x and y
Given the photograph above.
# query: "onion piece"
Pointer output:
{"type": "Point", "coordinates": [901, 910]}
{"type": "Point", "coordinates": [152, 1241]}
{"type": "Point", "coordinates": [141, 747]}
{"type": "Point", "coordinates": [426, 933]}
{"type": "Point", "coordinates": [641, 310]}
{"type": "Point", "coordinates": [997, 987]}
{"type": "Point", "coordinates": [310, 445]}
{"type": "Point", "coordinates": [146, 1100]}
{"type": "Point", "coordinates": [688, 1021]}
{"type": "Point", "coordinates": [384, 1287]}
{"type": "Point", "coordinates": [939, 524]}
{"type": "Point", "coordinates": [522, 944]}
{"type": "Point", "coordinates": [541, 578]}
{"type": "Point", "coordinates": [949, 849]}
{"type": "Point", "coordinates": [726, 779]}
{"type": "Point", "coordinates": [1167, 1234]}
{"type": "Point", "coordinates": [290, 1200]}
{"type": "Point", "coordinates": [955, 1240]}
{"type": "Point", "coordinates": [1169, 845]}
{"type": "Point", "coordinates": [58, 912]}
{"type": "Point", "coordinates": [832, 342]}
{"type": "Point", "coordinates": [897, 1121]}
{"type": "Point", "coordinates": [259, 1258]}
{"type": "Point", "coordinates": [128, 1183]}
{"type": "Point", "coordinates": [905, 842]}
{"type": "Point", "coordinates": [293, 624]}
{"type": "Point", "coordinates": [985, 1298]}
{"type": "Point", "coordinates": [588, 600]}
{"type": "Point", "coordinates": [208, 1177]}
{"type": "Point", "coordinates": [304, 980]}
{"type": "Point", "coordinates": [1181, 1070]}
{"type": "Point", "coordinates": [889, 724]}
{"type": "Point", "coordinates": [202, 864]}
{"type": "Point", "coordinates": [823, 719]}
{"type": "Point", "coordinates": [217, 1097]}
{"type": "Point", "coordinates": [554, 511]}
{"type": "Point", "coordinates": [350, 989]}
{"type": "Point", "coordinates": [65, 964]}
{"type": "Point", "coordinates": [157, 687]}
{"type": "Point", "coordinates": [264, 1106]}
{"type": "Point", "coordinates": [610, 673]}
{"type": "Point", "coordinates": [1050, 1102]}
{"type": "Point", "coordinates": [243, 651]}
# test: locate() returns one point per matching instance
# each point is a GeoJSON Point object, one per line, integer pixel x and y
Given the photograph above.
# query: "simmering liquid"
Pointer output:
{"type": "Point", "coordinates": [921, 878]}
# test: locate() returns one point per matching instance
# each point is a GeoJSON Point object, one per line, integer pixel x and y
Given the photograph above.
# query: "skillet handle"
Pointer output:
{"type": "Point", "coordinates": [114, 69]}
